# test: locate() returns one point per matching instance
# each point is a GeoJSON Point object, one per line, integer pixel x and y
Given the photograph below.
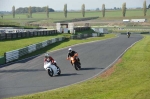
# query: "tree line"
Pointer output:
{"type": "Point", "coordinates": [46, 9]}
{"type": "Point", "coordinates": [124, 8]}
{"type": "Point", "coordinates": [33, 9]}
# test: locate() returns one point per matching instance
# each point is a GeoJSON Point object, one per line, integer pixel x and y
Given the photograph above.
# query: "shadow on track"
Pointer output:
{"type": "Point", "coordinates": [67, 74]}
{"type": "Point", "coordinates": [21, 70]}
{"type": "Point", "coordinates": [90, 68]}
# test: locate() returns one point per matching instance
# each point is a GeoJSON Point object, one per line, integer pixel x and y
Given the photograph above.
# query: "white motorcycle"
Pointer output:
{"type": "Point", "coordinates": [52, 69]}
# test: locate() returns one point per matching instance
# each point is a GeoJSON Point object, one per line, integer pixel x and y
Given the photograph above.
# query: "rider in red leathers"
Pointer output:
{"type": "Point", "coordinates": [48, 58]}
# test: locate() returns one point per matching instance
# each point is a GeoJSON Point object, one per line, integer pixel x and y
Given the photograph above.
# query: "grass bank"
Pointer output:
{"type": "Point", "coordinates": [130, 80]}
{"type": "Point", "coordinates": [13, 44]}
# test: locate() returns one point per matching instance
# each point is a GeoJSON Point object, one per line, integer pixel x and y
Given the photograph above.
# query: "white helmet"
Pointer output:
{"type": "Point", "coordinates": [70, 49]}
{"type": "Point", "coordinates": [46, 55]}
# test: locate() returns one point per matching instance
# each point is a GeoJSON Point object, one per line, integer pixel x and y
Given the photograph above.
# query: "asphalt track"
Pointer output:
{"type": "Point", "coordinates": [28, 76]}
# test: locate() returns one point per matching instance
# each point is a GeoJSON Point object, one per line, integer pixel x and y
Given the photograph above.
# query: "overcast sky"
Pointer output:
{"type": "Point", "coordinates": [6, 5]}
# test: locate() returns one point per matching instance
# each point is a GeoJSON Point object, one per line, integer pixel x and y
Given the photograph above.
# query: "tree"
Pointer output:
{"type": "Point", "coordinates": [13, 11]}
{"type": "Point", "coordinates": [65, 10]}
{"type": "Point", "coordinates": [124, 9]}
{"type": "Point", "coordinates": [144, 8]}
{"type": "Point", "coordinates": [34, 10]}
{"type": "Point", "coordinates": [103, 10]}
{"type": "Point", "coordinates": [30, 12]}
{"type": "Point", "coordinates": [47, 12]}
{"type": "Point", "coordinates": [149, 6]}
{"type": "Point", "coordinates": [2, 16]}
{"type": "Point", "coordinates": [97, 9]}
{"type": "Point", "coordinates": [83, 10]}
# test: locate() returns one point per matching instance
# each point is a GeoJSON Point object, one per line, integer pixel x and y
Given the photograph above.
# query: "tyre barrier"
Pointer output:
{"type": "Point", "coordinates": [16, 54]}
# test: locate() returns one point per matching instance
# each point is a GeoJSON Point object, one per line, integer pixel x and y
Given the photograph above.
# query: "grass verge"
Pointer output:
{"type": "Point", "coordinates": [13, 44]}
{"type": "Point", "coordinates": [130, 80]}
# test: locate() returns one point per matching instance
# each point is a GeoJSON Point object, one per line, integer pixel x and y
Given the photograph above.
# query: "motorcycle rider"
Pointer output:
{"type": "Point", "coordinates": [71, 53]}
{"type": "Point", "coordinates": [128, 33]}
{"type": "Point", "coordinates": [48, 58]}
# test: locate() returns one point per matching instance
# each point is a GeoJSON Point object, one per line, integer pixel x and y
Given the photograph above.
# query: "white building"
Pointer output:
{"type": "Point", "coordinates": [138, 20]}
{"type": "Point", "coordinates": [126, 20]}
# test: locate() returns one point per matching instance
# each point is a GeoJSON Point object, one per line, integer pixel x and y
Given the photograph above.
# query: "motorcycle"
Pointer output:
{"type": "Point", "coordinates": [75, 62]}
{"type": "Point", "coordinates": [128, 35]}
{"type": "Point", "coordinates": [51, 69]}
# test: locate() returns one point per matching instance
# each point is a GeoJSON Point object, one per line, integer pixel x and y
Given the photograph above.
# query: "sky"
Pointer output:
{"type": "Point", "coordinates": [6, 5]}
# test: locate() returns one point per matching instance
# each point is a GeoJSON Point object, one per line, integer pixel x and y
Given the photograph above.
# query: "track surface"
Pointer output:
{"type": "Point", "coordinates": [28, 76]}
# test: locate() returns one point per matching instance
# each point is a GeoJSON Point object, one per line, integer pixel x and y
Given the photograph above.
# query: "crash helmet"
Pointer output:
{"type": "Point", "coordinates": [47, 55]}
{"type": "Point", "coordinates": [70, 50]}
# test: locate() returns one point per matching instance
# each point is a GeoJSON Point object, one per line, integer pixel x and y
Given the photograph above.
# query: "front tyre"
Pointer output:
{"type": "Point", "coordinates": [50, 72]}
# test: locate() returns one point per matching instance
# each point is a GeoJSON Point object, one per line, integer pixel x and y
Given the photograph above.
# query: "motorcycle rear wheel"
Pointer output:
{"type": "Point", "coordinates": [76, 66]}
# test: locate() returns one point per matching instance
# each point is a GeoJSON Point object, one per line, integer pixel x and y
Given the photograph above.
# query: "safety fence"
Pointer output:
{"type": "Point", "coordinates": [16, 54]}
{"type": "Point", "coordinates": [4, 36]}
{"type": "Point", "coordinates": [78, 29]}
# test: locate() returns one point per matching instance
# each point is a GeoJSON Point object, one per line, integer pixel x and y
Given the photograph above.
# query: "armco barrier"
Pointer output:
{"type": "Point", "coordinates": [31, 48]}
{"type": "Point", "coordinates": [16, 54]}
{"type": "Point", "coordinates": [23, 51]}
{"type": "Point", "coordinates": [11, 55]}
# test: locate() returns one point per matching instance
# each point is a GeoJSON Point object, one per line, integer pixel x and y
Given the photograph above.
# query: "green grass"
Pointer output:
{"type": "Point", "coordinates": [13, 44]}
{"type": "Point", "coordinates": [130, 80]}
{"type": "Point", "coordinates": [8, 45]}
{"type": "Point", "coordinates": [59, 16]}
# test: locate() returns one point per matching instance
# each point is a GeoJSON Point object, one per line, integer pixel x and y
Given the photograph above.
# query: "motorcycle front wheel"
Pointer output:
{"type": "Point", "coordinates": [50, 72]}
